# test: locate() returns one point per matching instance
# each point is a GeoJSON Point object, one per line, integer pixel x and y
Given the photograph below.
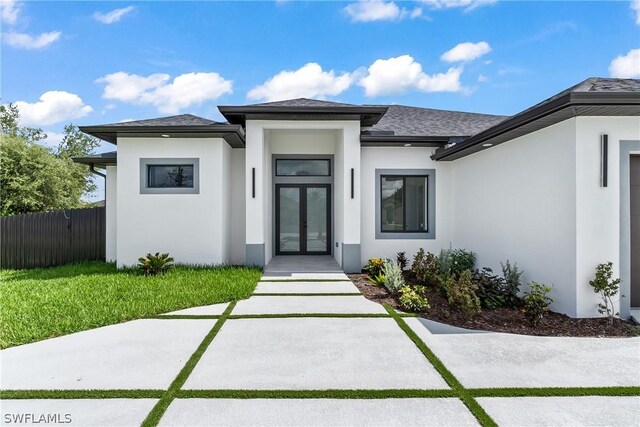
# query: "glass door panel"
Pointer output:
{"type": "Point", "coordinates": [316, 224]}
{"type": "Point", "coordinates": [289, 221]}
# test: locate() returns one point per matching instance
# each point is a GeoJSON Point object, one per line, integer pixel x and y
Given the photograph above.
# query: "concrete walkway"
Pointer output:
{"type": "Point", "coordinates": [309, 352]}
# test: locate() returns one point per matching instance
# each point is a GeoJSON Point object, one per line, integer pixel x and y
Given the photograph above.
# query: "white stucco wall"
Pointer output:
{"type": "Point", "coordinates": [598, 208]}
{"type": "Point", "coordinates": [402, 158]}
{"type": "Point", "coordinates": [517, 201]}
{"type": "Point", "coordinates": [111, 204]}
{"type": "Point", "coordinates": [191, 227]}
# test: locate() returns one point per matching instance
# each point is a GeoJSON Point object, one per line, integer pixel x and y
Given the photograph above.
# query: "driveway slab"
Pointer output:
{"type": "Point", "coordinates": [305, 288]}
{"type": "Point", "coordinates": [508, 360]}
{"type": "Point", "coordinates": [317, 412]}
{"type": "Point", "coordinates": [206, 310]}
{"type": "Point", "coordinates": [313, 353]}
{"type": "Point", "coordinates": [620, 411]}
{"type": "Point", "coordinates": [75, 412]}
{"type": "Point", "coordinates": [143, 354]}
{"type": "Point", "coordinates": [304, 276]}
{"type": "Point", "coordinates": [355, 304]}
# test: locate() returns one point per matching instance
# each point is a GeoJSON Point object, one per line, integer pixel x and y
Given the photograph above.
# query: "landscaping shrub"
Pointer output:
{"type": "Point", "coordinates": [374, 267]}
{"type": "Point", "coordinates": [604, 285]}
{"type": "Point", "coordinates": [492, 289]}
{"type": "Point", "coordinates": [454, 261]}
{"type": "Point", "coordinates": [401, 259]}
{"type": "Point", "coordinates": [425, 268]}
{"type": "Point", "coordinates": [411, 300]}
{"type": "Point", "coordinates": [378, 279]}
{"type": "Point", "coordinates": [393, 279]}
{"type": "Point", "coordinates": [152, 265]}
{"type": "Point", "coordinates": [461, 294]}
{"type": "Point", "coordinates": [536, 302]}
{"type": "Point", "coordinates": [511, 275]}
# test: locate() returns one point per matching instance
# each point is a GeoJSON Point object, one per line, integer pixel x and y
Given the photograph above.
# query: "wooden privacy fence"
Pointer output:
{"type": "Point", "coordinates": [45, 239]}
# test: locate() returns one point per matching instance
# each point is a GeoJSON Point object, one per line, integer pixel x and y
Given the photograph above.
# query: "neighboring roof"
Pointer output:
{"type": "Point", "coordinates": [302, 109]}
{"type": "Point", "coordinates": [180, 126]}
{"type": "Point", "coordinates": [100, 160]}
{"type": "Point", "coordinates": [592, 97]}
{"type": "Point", "coordinates": [402, 120]}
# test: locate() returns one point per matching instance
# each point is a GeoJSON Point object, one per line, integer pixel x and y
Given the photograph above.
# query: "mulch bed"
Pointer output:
{"type": "Point", "coordinates": [502, 319]}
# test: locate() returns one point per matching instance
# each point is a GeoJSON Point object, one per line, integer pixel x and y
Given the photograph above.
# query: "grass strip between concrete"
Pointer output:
{"type": "Point", "coordinates": [160, 408]}
{"type": "Point", "coordinates": [554, 391]}
{"type": "Point", "coordinates": [481, 415]}
{"type": "Point", "coordinates": [81, 394]}
{"type": "Point", "coordinates": [314, 394]}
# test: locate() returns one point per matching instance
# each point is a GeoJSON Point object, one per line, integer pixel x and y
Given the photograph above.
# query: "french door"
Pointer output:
{"type": "Point", "coordinates": [303, 219]}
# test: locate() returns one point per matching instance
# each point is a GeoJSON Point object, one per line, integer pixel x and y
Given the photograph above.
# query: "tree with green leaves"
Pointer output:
{"type": "Point", "coordinates": [35, 178]}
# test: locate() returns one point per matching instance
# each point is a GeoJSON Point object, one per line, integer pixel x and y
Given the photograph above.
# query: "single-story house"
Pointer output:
{"type": "Point", "coordinates": [555, 188]}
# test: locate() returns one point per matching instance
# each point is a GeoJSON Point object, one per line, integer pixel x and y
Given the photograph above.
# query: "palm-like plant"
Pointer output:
{"type": "Point", "coordinates": [152, 265]}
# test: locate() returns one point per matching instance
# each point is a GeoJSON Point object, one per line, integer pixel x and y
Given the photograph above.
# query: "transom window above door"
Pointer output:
{"type": "Point", "coordinates": [303, 167]}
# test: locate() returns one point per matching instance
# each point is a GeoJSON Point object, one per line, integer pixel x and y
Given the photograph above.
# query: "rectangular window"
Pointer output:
{"type": "Point", "coordinates": [404, 204]}
{"type": "Point", "coordinates": [170, 176]}
{"type": "Point", "coordinates": [303, 167]}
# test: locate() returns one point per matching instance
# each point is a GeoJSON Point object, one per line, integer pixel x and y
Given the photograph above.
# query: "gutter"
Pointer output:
{"type": "Point", "coordinates": [93, 170]}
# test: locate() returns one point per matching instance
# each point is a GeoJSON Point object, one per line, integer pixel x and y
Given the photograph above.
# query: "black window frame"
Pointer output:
{"type": "Point", "coordinates": [404, 198]}
{"type": "Point", "coordinates": [302, 159]}
{"type": "Point", "coordinates": [178, 165]}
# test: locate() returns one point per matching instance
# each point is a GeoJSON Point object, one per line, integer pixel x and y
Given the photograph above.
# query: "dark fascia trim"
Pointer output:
{"type": "Point", "coordinates": [573, 99]}
{"type": "Point", "coordinates": [369, 116]}
{"type": "Point", "coordinates": [97, 160]}
{"type": "Point", "coordinates": [396, 140]}
{"type": "Point", "coordinates": [233, 134]}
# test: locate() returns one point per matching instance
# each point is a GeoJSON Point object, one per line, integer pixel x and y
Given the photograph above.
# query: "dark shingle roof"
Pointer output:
{"type": "Point", "coordinates": [303, 102]}
{"type": "Point", "coordinates": [179, 120]}
{"type": "Point", "coordinates": [414, 121]}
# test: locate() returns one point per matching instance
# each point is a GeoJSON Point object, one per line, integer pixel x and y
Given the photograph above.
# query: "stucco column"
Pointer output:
{"type": "Point", "coordinates": [254, 193]}
{"type": "Point", "coordinates": [351, 206]}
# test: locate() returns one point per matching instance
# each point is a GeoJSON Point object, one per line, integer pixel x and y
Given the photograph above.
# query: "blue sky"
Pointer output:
{"type": "Point", "coordinates": [102, 62]}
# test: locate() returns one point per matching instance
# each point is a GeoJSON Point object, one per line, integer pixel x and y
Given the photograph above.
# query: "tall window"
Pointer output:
{"type": "Point", "coordinates": [404, 202]}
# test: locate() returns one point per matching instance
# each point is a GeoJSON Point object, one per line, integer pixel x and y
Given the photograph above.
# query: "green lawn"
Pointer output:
{"type": "Point", "coordinates": [44, 303]}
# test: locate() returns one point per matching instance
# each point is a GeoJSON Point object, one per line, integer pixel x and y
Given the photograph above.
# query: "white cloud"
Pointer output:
{"type": "Point", "coordinates": [309, 81]}
{"type": "Point", "coordinates": [482, 78]}
{"type": "Point", "coordinates": [52, 107]}
{"type": "Point", "coordinates": [467, 5]}
{"type": "Point", "coordinates": [379, 10]}
{"type": "Point", "coordinates": [626, 66]}
{"type": "Point", "coordinates": [168, 97]}
{"type": "Point", "coordinates": [635, 6]}
{"type": "Point", "coordinates": [27, 41]}
{"type": "Point", "coordinates": [52, 140]}
{"type": "Point", "coordinates": [466, 52]}
{"type": "Point", "coordinates": [113, 16]}
{"type": "Point", "coordinates": [9, 11]}
{"type": "Point", "coordinates": [397, 75]}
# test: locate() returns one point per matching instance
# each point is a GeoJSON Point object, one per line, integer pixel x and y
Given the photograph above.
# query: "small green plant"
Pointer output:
{"type": "Point", "coordinates": [393, 276]}
{"type": "Point", "coordinates": [425, 268]}
{"type": "Point", "coordinates": [412, 301]}
{"type": "Point", "coordinates": [374, 267]}
{"type": "Point", "coordinates": [461, 294]}
{"type": "Point", "coordinates": [454, 261]}
{"type": "Point", "coordinates": [536, 302]}
{"type": "Point", "coordinates": [378, 279]}
{"type": "Point", "coordinates": [607, 287]}
{"type": "Point", "coordinates": [152, 265]}
{"type": "Point", "coordinates": [492, 289]}
{"type": "Point", "coordinates": [511, 275]}
{"type": "Point", "coordinates": [401, 259]}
